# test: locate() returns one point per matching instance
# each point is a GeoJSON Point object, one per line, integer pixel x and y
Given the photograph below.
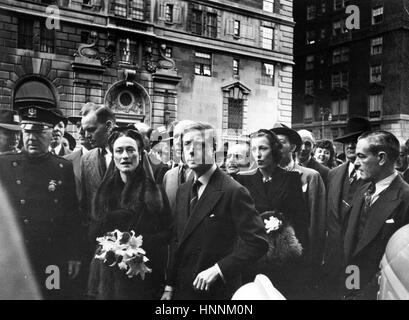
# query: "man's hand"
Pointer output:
{"type": "Point", "coordinates": [74, 268]}
{"type": "Point", "coordinates": [205, 278]}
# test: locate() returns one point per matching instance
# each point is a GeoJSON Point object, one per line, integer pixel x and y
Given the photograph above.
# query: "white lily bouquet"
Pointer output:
{"type": "Point", "coordinates": [125, 250]}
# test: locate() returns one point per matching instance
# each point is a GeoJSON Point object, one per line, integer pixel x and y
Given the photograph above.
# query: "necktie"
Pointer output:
{"type": "Point", "coordinates": [364, 214]}
{"type": "Point", "coordinates": [53, 151]}
{"type": "Point", "coordinates": [353, 176]}
{"type": "Point", "coordinates": [194, 196]}
{"type": "Point", "coordinates": [182, 177]}
{"type": "Point", "coordinates": [102, 161]}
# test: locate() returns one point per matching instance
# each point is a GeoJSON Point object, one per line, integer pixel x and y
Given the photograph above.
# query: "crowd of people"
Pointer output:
{"type": "Point", "coordinates": [277, 202]}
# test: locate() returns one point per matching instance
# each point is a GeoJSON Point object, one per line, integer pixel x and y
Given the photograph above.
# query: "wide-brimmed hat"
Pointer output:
{"type": "Point", "coordinates": [71, 140]}
{"type": "Point", "coordinates": [10, 120]}
{"type": "Point", "coordinates": [61, 115]}
{"type": "Point", "coordinates": [292, 135]}
{"type": "Point", "coordinates": [355, 127]}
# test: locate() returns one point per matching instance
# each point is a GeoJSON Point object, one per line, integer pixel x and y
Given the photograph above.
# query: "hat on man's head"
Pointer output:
{"type": "Point", "coordinates": [292, 135]}
{"type": "Point", "coordinates": [61, 114]}
{"type": "Point", "coordinates": [74, 119]}
{"type": "Point", "coordinates": [37, 118]}
{"type": "Point", "coordinates": [71, 140]}
{"type": "Point", "coordinates": [307, 135]}
{"type": "Point", "coordinates": [10, 120]}
{"type": "Point", "coordinates": [355, 127]}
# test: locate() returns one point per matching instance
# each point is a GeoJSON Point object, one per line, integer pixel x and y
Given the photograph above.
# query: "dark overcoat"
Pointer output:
{"type": "Point", "coordinates": [42, 193]}
{"type": "Point", "coordinates": [224, 228]}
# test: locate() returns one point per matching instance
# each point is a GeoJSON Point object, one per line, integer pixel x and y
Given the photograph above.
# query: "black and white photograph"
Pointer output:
{"type": "Point", "coordinates": [216, 152]}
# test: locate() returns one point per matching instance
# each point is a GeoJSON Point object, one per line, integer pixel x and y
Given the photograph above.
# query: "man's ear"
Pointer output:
{"type": "Point", "coordinates": [293, 147]}
{"type": "Point", "coordinates": [109, 125]}
{"type": "Point", "coordinates": [383, 157]}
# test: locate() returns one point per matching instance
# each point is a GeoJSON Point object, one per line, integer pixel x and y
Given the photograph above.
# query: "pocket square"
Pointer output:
{"type": "Point", "coordinates": [390, 221]}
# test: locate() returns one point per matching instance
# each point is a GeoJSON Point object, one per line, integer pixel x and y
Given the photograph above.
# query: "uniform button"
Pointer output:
{"type": "Point", "coordinates": [26, 221]}
{"type": "Point", "coordinates": [22, 201]}
{"type": "Point", "coordinates": [18, 181]}
{"type": "Point", "coordinates": [59, 182]}
{"type": "Point", "coordinates": [15, 164]}
{"type": "Point", "coordinates": [55, 200]}
{"type": "Point", "coordinates": [61, 165]}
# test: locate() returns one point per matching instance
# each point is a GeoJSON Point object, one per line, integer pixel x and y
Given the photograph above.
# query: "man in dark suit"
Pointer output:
{"type": "Point", "coordinates": [379, 209]}
{"type": "Point", "coordinates": [75, 157]}
{"type": "Point", "coordinates": [40, 187]}
{"type": "Point", "coordinates": [217, 228]}
{"type": "Point", "coordinates": [343, 182]}
{"type": "Point", "coordinates": [97, 125]}
{"type": "Point", "coordinates": [304, 155]}
{"type": "Point", "coordinates": [10, 131]}
{"type": "Point", "coordinates": [57, 147]}
{"type": "Point", "coordinates": [179, 173]}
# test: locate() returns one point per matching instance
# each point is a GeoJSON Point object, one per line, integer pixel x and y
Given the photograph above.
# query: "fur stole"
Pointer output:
{"type": "Point", "coordinates": [139, 195]}
{"type": "Point", "coordinates": [283, 245]}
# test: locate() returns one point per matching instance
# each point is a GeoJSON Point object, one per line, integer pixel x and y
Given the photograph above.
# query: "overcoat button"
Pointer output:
{"type": "Point", "coordinates": [18, 181]}
{"type": "Point", "coordinates": [59, 182]}
{"type": "Point", "coordinates": [55, 200]}
{"type": "Point", "coordinates": [15, 164]}
{"type": "Point", "coordinates": [26, 221]}
{"type": "Point", "coordinates": [22, 201]}
{"type": "Point", "coordinates": [61, 165]}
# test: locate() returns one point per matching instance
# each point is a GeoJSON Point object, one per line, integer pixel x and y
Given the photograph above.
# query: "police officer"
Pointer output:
{"type": "Point", "coordinates": [41, 188]}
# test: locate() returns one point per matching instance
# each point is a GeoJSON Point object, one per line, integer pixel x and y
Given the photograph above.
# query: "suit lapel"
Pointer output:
{"type": "Point", "coordinates": [338, 182]}
{"type": "Point", "coordinates": [183, 206]}
{"type": "Point", "coordinates": [93, 165]}
{"type": "Point", "coordinates": [206, 203]}
{"type": "Point", "coordinates": [350, 234]}
{"type": "Point", "coordinates": [387, 202]}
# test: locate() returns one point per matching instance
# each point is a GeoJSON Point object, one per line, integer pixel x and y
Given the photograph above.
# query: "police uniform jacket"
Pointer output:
{"type": "Point", "coordinates": [42, 192]}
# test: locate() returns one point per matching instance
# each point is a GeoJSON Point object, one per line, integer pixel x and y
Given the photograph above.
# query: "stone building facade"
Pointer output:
{"type": "Point", "coordinates": [225, 62]}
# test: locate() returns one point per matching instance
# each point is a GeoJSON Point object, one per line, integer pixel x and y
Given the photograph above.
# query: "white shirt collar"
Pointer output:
{"type": "Point", "coordinates": [205, 178]}
{"type": "Point", "coordinates": [384, 183]}
{"type": "Point", "coordinates": [57, 149]}
{"type": "Point", "coordinates": [351, 167]}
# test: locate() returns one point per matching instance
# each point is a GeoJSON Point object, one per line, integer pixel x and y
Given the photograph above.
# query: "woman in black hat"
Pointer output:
{"type": "Point", "coordinates": [278, 192]}
{"type": "Point", "coordinates": [128, 200]}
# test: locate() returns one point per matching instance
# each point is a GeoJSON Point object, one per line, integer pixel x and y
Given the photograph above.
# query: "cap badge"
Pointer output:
{"type": "Point", "coordinates": [32, 113]}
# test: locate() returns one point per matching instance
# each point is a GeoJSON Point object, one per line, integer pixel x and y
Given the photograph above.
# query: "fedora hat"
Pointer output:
{"type": "Point", "coordinates": [61, 115]}
{"type": "Point", "coordinates": [71, 140]}
{"type": "Point", "coordinates": [292, 135]}
{"type": "Point", "coordinates": [355, 127]}
{"type": "Point", "coordinates": [74, 119]}
{"type": "Point", "coordinates": [10, 120]}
